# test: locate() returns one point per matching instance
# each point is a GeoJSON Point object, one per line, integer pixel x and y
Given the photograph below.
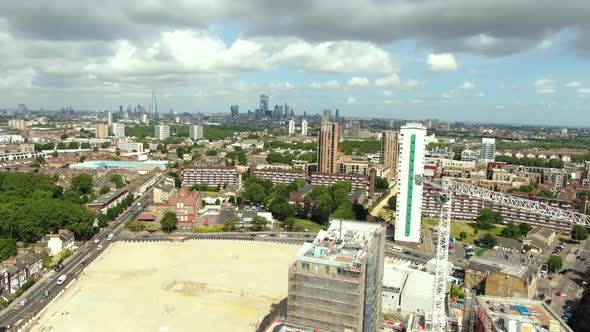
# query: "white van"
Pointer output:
{"type": "Point", "coordinates": [62, 279]}
{"type": "Point", "coordinates": [398, 249]}
{"type": "Point", "coordinates": [110, 237]}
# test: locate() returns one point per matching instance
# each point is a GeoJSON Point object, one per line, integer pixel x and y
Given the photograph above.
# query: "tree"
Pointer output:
{"type": "Point", "coordinates": [7, 248]}
{"type": "Point", "coordinates": [489, 241]}
{"type": "Point", "coordinates": [487, 218]}
{"type": "Point", "coordinates": [231, 225]}
{"type": "Point", "coordinates": [555, 263]}
{"type": "Point", "coordinates": [525, 228]}
{"type": "Point", "coordinates": [63, 136]}
{"type": "Point", "coordinates": [392, 203]}
{"type": "Point", "coordinates": [85, 145]}
{"type": "Point", "coordinates": [344, 211]}
{"type": "Point", "coordinates": [381, 184]}
{"type": "Point", "coordinates": [151, 228]}
{"type": "Point", "coordinates": [82, 183]}
{"type": "Point", "coordinates": [104, 190]}
{"type": "Point", "coordinates": [463, 235]}
{"type": "Point", "coordinates": [255, 193]}
{"type": "Point", "coordinates": [259, 223]}
{"type": "Point", "coordinates": [511, 231]}
{"type": "Point", "coordinates": [527, 247]}
{"type": "Point", "coordinates": [135, 226]}
{"type": "Point", "coordinates": [579, 233]}
{"type": "Point", "coordinates": [211, 152]}
{"type": "Point", "coordinates": [289, 224]}
{"type": "Point", "coordinates": [169, 222]}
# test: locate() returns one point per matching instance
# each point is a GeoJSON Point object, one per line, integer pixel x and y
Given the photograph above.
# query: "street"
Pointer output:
{"type": "Point", "coordinates": [569, 281]}
{"type": "Point", "coordinates": [15, 315]}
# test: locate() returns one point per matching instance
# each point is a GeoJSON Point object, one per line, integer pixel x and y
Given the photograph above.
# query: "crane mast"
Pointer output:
{"type": "Point", "coordinates": [444, 198]}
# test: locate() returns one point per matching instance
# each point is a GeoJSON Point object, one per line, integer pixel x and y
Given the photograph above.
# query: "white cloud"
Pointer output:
{"type": "Point", "coordinates": [440, 63]}
{"type": "Point", "coordinates": [545, 44]}
{"type": "Point", "coordinates": [387, 93]}
{"type": "Point", "coordinates": [412, 83]}
{"type": "Point", "coordinates": [468, 86]}
{"type": "Point", "coordinates": [416, 101]}
{"type": "Point", "coordinates": [480, 94]}
{"type": "Point", "coordinates": [447, 95]}
{"type": "Point", "coordinates": [325, 85]}
{"type": "Point", "coordinates": [545, 86]}
{"type": "Point", "coordinates": [573, 84]}
{"type": "Point", "coordinates": [583, 91]}
{"type": "Point", "coordinates": [391, 81]}
{"type": "Point", "coordinates": [281, 86]}
{"type": "Point", "coordinates": [351, 100]}
{"type": "Point", "coordinates": [358, 82]}
{"type": "Point", "coordinates": [392, 102]}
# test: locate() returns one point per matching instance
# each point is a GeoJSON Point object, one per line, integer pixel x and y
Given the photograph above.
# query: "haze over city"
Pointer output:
{"type": "Point", "coordinates": [486, 61]}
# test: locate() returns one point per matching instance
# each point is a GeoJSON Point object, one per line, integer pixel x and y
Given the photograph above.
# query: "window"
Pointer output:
{"type": "Point", "coordinates": [327, 270]}
{"type": "Point", "coordinates": [305, 266]}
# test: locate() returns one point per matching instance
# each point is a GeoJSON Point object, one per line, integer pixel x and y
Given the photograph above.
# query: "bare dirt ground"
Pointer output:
{"type": "Point", "coordinates": [192, 286]}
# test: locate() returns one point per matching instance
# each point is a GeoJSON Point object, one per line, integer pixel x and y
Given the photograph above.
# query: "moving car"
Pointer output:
{"type": "Point", "coordinates": [99, 248]}
{"type": "Point", "coordinates": [110, 236]}
{"type": "Point", "coordinates": [62, 279]}
{"type": "Point", "coordinates": [97, 241]}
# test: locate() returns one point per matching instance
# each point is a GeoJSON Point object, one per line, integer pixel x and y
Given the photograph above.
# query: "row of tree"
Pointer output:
{"type": "Point", "coordinates": [536, 162]}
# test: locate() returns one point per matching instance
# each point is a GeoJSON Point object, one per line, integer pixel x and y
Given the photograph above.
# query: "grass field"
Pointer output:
{"type": "Point", "coordinates": [468, 227]}
{"type": "Point", "coordinates": [307, 224]}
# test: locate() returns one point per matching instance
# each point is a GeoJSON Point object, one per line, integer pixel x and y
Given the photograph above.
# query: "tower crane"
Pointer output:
{"type": "Point", "coordinates": [448, 188]}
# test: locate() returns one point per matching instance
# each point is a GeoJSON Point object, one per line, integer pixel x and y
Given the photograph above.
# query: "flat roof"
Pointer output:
{"type": "Point", "coordinates": [509, 310]}
{"type": "Point", "coordinates": [104, 164]}
{"type": "Point", "coordinates": [106, 198]}
{"type": "Point", "coordinates": [343, 244]}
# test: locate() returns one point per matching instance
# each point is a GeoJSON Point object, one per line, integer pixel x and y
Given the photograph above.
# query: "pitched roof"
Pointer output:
{"type": "Point", "coordinates": [189, 198]}
{"type": "Point", "coordinates": [65, 235]}
{"type": "Point", "coordinates": [28, 258]}
{"type": "Point", "coordinates": [508, 242]}
{"type": "Point", "coordinates": [226, 215]}
{"type": "Point", "coordinates": [544, 232]}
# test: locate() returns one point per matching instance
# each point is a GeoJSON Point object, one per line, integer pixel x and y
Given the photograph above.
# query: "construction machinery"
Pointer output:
{"type": "Point", "coordinates": [448, 188]}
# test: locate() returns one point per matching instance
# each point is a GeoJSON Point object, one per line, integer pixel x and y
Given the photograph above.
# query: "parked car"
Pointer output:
{"type": "Point", "coordinates": [97, 241]}
{"type": "Point", "coordinates": [99, 247]}
{"type": "Point", "coordinates": [62, 279]}
{"type": "Point", "coordinates": [58, 267]}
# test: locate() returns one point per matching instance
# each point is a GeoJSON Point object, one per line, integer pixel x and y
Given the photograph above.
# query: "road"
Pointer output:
{"type": "Point", "coordinates": [16, 315]}
{"type": "Point", "coordinates": [383, 202]}
{"type": "Point", "coordinates": [570, 282]}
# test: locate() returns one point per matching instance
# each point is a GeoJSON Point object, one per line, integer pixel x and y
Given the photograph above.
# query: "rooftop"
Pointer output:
{"type": "Point", "coordinates": [344, 244]}
{"type": "Point", "coordinates": [106, 198]}
{"type": "Point", "coordinates": [505, 312]}
{"type": "Point", "coordinates": [103, 164]}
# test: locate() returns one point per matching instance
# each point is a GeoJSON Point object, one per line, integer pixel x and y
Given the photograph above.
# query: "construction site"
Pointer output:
{"type": "Point", "coordinates": [205, 285]}
{"type": "Point", "coordinates": [335, 282]}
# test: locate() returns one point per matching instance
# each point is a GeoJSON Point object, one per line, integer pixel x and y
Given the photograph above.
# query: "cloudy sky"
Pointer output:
{"type": "Point", "coordinates": [525, 61]}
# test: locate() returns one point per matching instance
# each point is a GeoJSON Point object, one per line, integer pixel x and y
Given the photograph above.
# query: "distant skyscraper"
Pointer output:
{"type": "Point", "coordinates": [120, 108]}
{"type": "Point", "coordinates": [264, 104]}
{"type": "Point", "coordinates": [118, 129]}
{"type": "Point", "coordinates": [305, 114]}
{"type": "Point", "coordinates": [102, 130]}
{"type": "Point", "coordinates": [291, 127]}
{"type": "Point", "coordinates": [109, 118]}
{"type": "Point", "coordinates": [161, 132]}
{"type": "Point", "coordinates": [488, 149]}
{"type": "Point", "coordinates": [409, 199]}
{"type": "Point", "coordinates": [154, 105]}
{"type": "Point", "coordinates": [303, 127]}
{"type": "Point", "coordinates": [235, 111]}
{"type": "Point", "coordinates": [389, 151]}
{"type": "Point", "coordinates": [327, 116]}
{"type": "Point", "coordinates": [355, 129]}
{"type": "Point", "coordinates": [196, 132]}
{"type": "Point", "coordinates": [337, 116]}
{"type": "Point", "coordinates": [286, 110]}
{"type": "Point", "coordinates": [328, 140]}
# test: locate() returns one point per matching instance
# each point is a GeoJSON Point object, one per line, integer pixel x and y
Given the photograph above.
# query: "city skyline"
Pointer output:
{"type": "Point", "coordinates": [400, 60]}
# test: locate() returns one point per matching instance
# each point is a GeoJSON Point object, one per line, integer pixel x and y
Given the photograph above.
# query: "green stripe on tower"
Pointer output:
{"type": "Point", "coordinates": [410, 184]}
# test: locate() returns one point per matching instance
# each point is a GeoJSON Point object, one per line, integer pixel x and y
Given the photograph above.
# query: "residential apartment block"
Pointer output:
{"type": "Point", "coordinates": [328, 142]}
{"type": "Point", "coordinates": [279, 175]}
{"type": "Point", "coordinates": [210, 175]}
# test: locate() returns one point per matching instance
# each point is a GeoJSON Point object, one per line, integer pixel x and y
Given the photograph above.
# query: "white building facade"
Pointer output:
{"type": "Point", "coordinates": [291, 127]}
{"type": "Point", "coordinates": [161, 132]}
{"type": "Point", "coordinates": [409, 193]}
{"type": "Point", "coordinates": [118, 129]}
{"type": "Point", "coordinates": [196, 132]}
{"type": "Point", "coordinates": [488, 149]}
{"type": "Point", "coordinates": [304, 127]}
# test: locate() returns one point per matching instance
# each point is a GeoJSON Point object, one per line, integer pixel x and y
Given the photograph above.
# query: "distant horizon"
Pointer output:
{"type": "Point", "coordinates": [470, 122]}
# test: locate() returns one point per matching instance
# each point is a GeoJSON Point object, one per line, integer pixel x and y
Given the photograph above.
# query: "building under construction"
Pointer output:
{"type": "Point", "coordinates": [335, 283]}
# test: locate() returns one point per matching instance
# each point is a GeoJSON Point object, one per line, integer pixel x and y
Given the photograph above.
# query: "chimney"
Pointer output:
{"type": "Point", "coordinates": [372, 175]}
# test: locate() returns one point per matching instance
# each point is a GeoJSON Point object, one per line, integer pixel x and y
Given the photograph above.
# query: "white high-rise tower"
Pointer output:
{"type": "Point", "coordinates": [303, 127]}
{"type": "Point", "coordinates": [488, 149]}
{"type": "Point", "coordinates": [291, 127]}
{"type": "Point", "coordinates": [409, 199]}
